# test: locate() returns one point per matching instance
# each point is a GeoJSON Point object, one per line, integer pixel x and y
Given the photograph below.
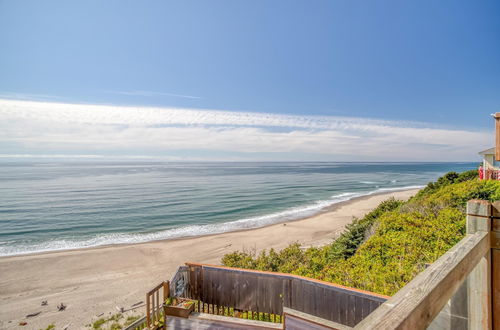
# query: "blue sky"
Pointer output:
{"type": "Point", "coordinates": [396, 64]}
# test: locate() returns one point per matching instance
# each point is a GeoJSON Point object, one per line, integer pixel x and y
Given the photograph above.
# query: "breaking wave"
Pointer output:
{"type": "Point", "coordinates": [290, 214]}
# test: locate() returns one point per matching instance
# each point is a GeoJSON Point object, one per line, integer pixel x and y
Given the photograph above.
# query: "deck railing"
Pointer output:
{"type": "Point", "coordinates": [154, 304]}
{"type": "Point", "coordinates": [489, 174]}
{"type": "Point", "coordinates": [472, 264]}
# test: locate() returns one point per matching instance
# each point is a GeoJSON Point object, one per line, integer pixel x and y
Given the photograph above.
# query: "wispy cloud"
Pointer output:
{"type": "Point", "coordinates": [152, 93]}
{"type": "Point", "coordinates": [28, 96]}
{"type": "Point", "coordinates": [49, 128]}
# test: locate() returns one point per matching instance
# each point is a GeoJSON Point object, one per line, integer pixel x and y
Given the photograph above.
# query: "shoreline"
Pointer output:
{"type": "Point", "coordinates": [94, 280]}
{"type": "Point", "coordinates": [323, 210]}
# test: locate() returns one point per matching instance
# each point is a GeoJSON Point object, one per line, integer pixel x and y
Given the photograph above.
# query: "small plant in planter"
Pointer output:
{"type": "Point", "coordinates": [181, 307]}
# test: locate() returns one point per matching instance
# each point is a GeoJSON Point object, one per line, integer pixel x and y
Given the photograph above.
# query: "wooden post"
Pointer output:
{"type": "Point", "coordinates": [497, 136]}
{"type": "Point", "coordinates": [166, 295]}
{"type": "Point", "coordinates": [148, 311]}
{"type": "Point", "coordinates": [166, 290]}
{"type": "Point", "coordinates": [157, 306]}
{"type": "Point", "coordinates": [153, 308]}
{"type": "Point", "coordinates": [479, 282]}
{"type": "Point", "coordinates": [495, 262]}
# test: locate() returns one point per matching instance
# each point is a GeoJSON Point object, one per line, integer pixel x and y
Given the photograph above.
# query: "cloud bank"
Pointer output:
{"type": "Point", "coordinates": [68, 129]}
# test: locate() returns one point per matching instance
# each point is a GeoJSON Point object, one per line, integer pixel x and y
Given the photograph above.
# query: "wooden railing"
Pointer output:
{"type": "Point", "coordinates": [155, 315]}
{"type": "Point", "coordinates": [473, 262]}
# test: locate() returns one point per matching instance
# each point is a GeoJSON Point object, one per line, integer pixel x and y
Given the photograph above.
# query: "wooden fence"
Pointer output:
{"type": "Point", "coordinates": [267, 293]}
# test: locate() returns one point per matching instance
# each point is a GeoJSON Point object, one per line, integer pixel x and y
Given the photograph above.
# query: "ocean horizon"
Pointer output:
{"type": "Point", "coordinates": [56, 205]}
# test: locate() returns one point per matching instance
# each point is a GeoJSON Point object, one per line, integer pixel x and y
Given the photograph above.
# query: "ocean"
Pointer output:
{"type": "Point", "coordinates": [48, 206]}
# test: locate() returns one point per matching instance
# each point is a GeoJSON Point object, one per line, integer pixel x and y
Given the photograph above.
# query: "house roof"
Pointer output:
{"type": "Point", "coordinates": [490, 151]}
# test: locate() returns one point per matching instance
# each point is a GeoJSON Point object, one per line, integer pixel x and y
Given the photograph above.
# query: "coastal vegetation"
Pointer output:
{"type": "Point", "coordinates": [50, 327]}
{"type": "Point", "coordinates": [113, 322]}
{"type": "Point", "coordinates": [385, 249]}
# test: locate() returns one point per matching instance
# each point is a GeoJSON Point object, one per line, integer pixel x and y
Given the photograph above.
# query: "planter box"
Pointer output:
{"type": "Point", "coordinates": [179, 311]}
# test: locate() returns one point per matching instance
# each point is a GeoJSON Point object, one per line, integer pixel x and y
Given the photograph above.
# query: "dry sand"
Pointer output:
{"type": "Point", "coordinates": [95, 281]}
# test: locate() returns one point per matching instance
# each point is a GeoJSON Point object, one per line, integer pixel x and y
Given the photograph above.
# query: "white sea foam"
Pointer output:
{"type": "Point", "coordinates": [191, 230]}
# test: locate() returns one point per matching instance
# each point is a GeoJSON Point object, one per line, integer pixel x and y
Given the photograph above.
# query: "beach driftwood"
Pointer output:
{"type": "Point", "coordinates": [33, 314]}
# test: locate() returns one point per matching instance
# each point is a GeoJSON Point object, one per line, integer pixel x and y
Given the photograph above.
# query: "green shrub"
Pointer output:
{"type": "Point", "coordinates": [448, 179]}
{"type": "Point", "coordinates": [467, 176]}
{"type": "Point", "coordinates": [294, 259]}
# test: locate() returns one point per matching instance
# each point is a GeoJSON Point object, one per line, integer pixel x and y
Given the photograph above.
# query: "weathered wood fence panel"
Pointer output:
{"type": "Point", "coordinates": [238, 289]}
{"type": "Point", "coordinates": [267, 292]}
{"type": "Point", "coordinates": [333, 303]}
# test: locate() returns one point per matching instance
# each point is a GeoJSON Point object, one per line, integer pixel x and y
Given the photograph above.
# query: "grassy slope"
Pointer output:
{"type": "Point", "coordinates": [406, 236]}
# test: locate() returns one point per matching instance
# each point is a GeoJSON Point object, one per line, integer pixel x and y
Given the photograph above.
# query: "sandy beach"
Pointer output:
{"type": "Point", "coordinates": [93, 282]}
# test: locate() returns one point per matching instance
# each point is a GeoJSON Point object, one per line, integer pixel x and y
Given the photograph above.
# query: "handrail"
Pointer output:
{"type": "Point", "coordinates": [154, 304]}
{"type": "Point", "coordinates": [291, 316]}
{"type": "Point", "coordinates": [419, 302]}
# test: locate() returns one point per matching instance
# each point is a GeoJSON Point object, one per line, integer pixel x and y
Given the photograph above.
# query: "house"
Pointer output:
{"type": "Point", "coordinates": [489, 161]}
